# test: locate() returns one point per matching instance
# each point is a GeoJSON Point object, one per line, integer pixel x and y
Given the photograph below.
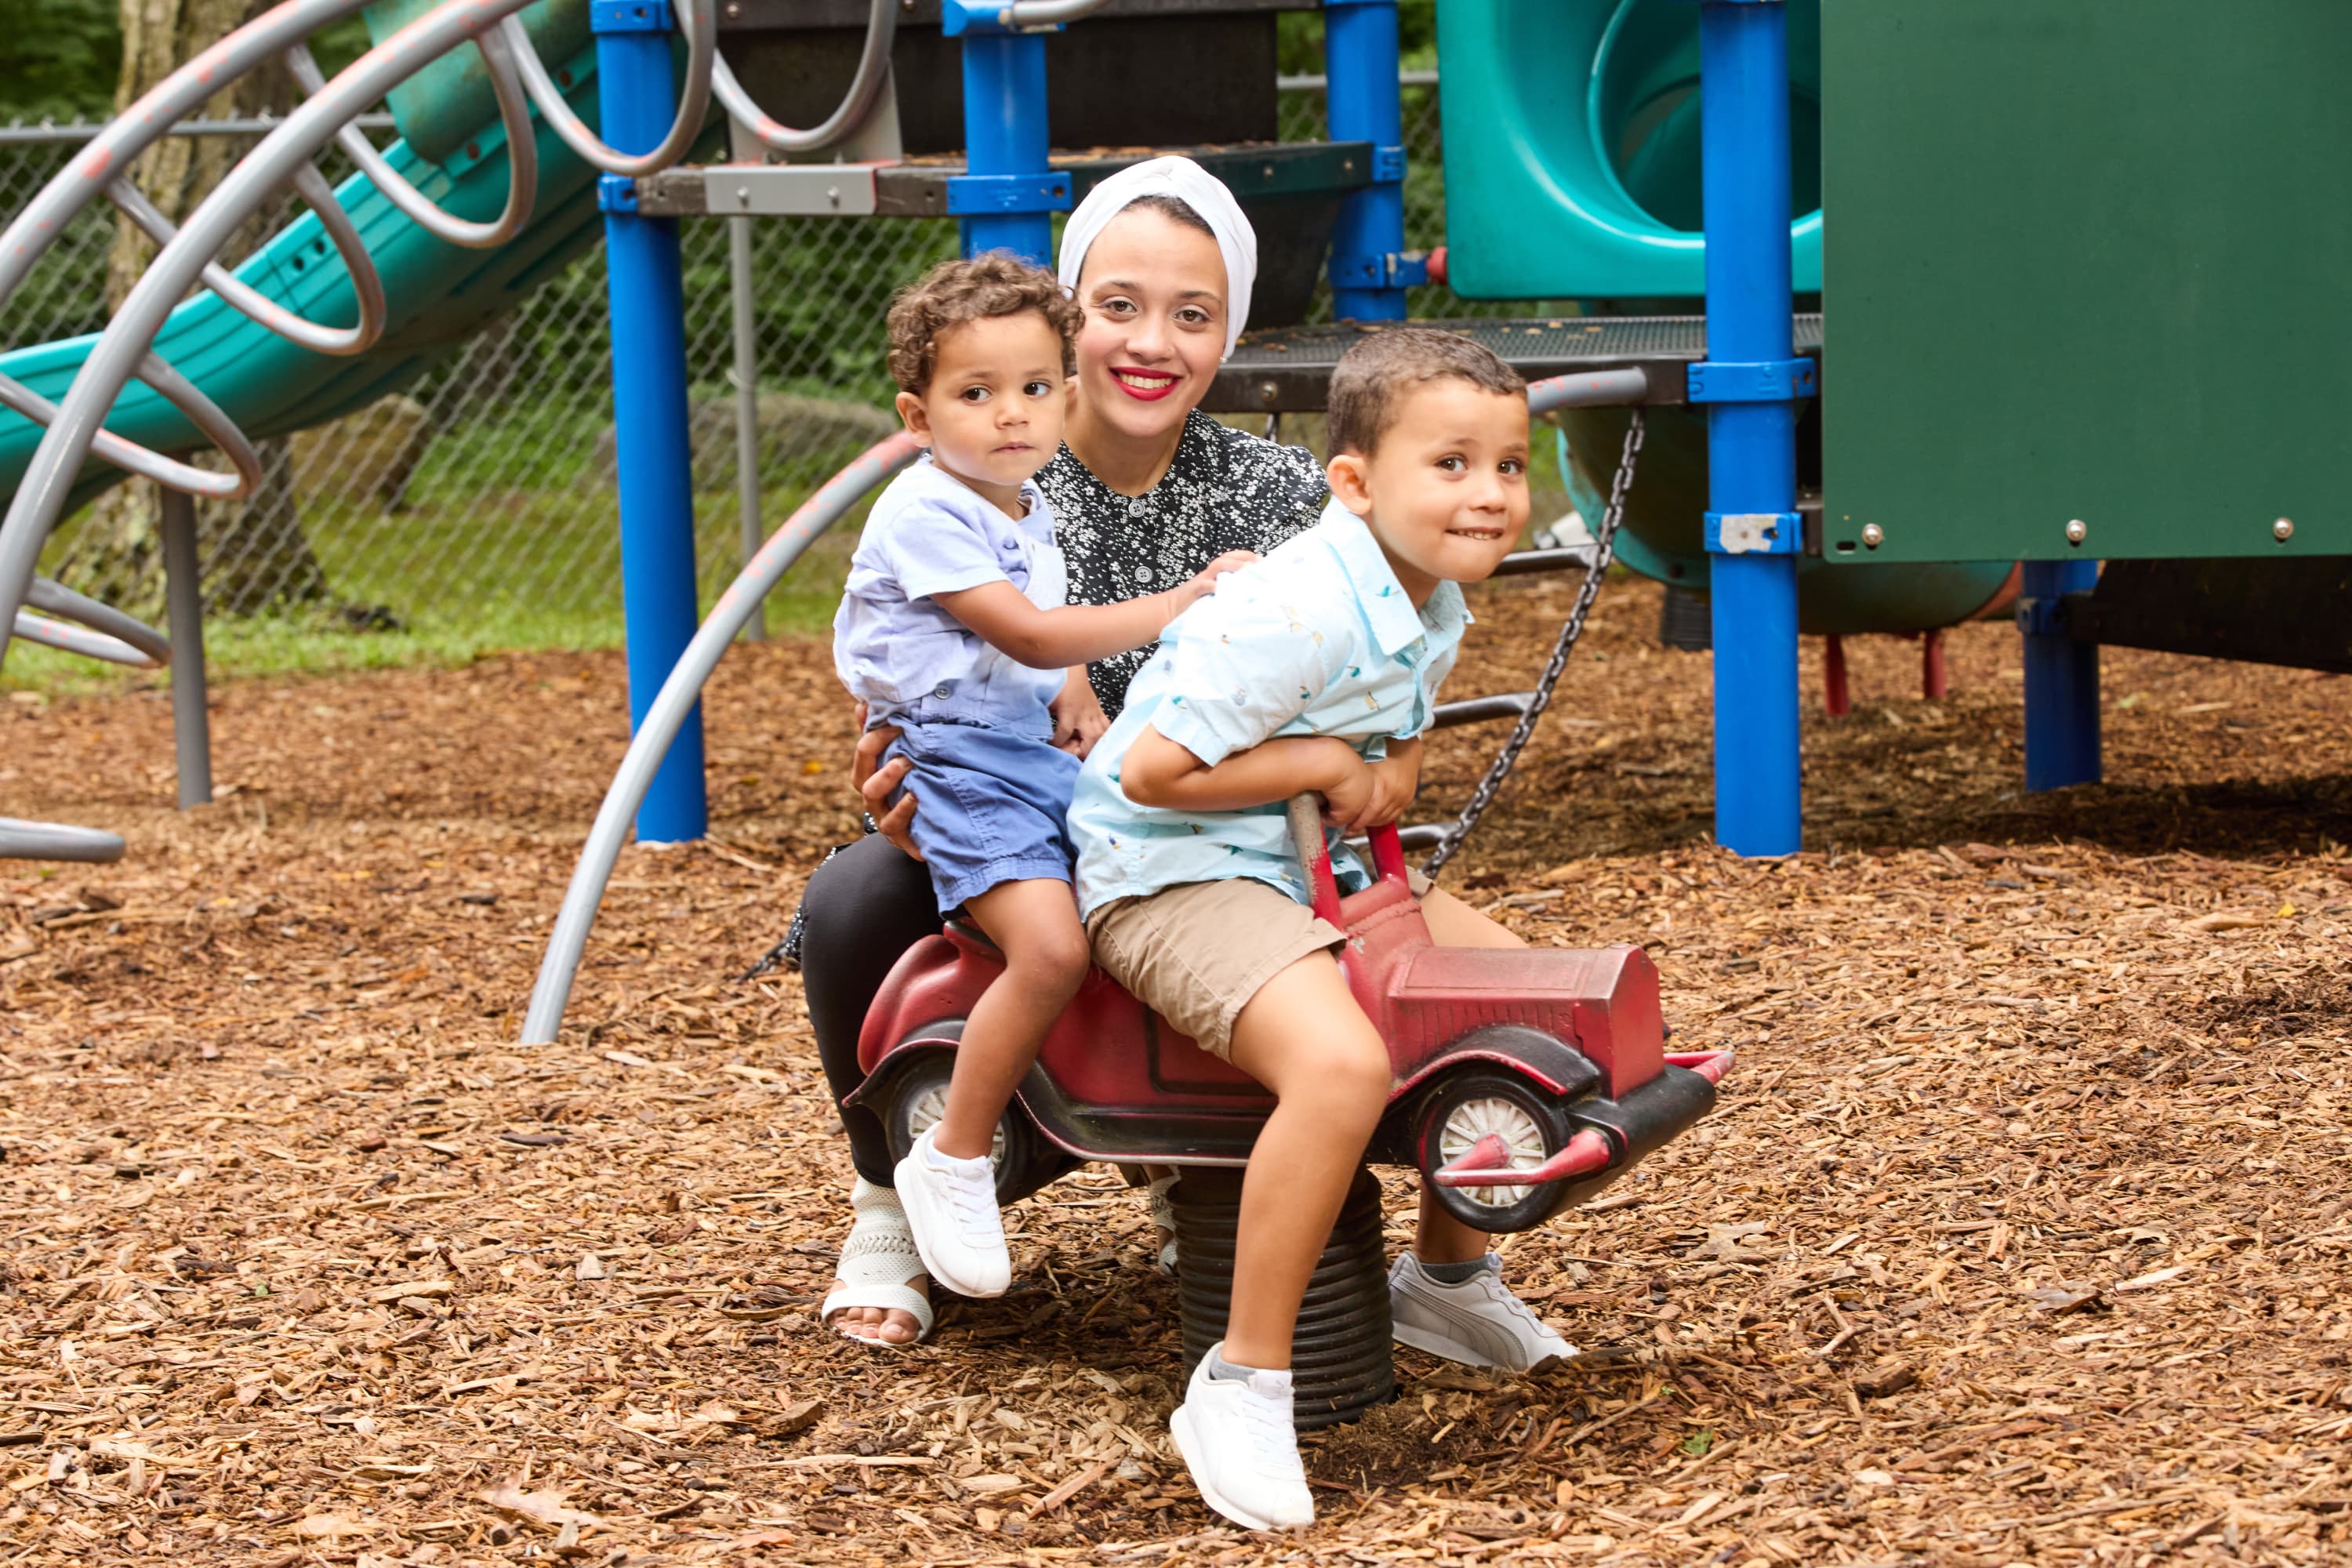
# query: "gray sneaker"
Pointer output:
{"type": "Point", "coordinates": [1477, 1322]}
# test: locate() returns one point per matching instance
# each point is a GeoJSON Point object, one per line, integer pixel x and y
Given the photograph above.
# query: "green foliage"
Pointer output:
{"type": "Point", "coordinates": [59, 59]}
{"type": "Point", "coordinates": [1298, 38]}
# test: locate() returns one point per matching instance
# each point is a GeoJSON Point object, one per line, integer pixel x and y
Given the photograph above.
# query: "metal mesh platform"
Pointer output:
{"type": "Point", "coordinates": [1286, 370]}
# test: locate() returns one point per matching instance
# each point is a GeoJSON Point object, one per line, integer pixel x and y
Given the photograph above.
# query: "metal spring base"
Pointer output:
{"type": "Point", "coordinates": [1342, 1360]}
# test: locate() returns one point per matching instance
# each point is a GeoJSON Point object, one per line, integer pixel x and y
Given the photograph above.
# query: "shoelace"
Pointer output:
{"type": "Point", "coordinates": [973, 1209]}
{"type": "Point", "coordinates": [1491, 1286]}
{"type": "Point", "coordinates": [1271, 1435]}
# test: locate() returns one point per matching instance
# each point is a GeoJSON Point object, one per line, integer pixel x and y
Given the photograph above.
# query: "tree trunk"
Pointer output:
{"type": "Point", "coordinates": [256, 554]}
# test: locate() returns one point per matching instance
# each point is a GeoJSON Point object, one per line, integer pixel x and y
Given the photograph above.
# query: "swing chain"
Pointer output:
{"type": "Point", "coordinates": [1604, 549]}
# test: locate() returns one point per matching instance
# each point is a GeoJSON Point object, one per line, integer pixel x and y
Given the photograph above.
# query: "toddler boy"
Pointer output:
{"type": "Point", "coordinates": [1316, 670]}
{"type": "Point", "coordinates": [953, 629]}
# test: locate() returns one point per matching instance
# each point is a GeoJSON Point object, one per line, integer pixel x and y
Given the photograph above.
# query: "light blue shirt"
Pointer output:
{"type": "Point", "coordinates": [906, 657]}
{"type": "Point", "coordinates": [1319, 638]}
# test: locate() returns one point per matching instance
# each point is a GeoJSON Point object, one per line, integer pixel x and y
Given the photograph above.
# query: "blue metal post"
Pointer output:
{"type": "Point", "coordinates": [1750, 383]}
{"type": "Point", "coordinates": [1004, 142]}
{"type": "Point", "coordinates": [2062, 678]}
{"type": "Point", "coordinates": [647, 303]}
{"type": "Point", "coordinates": [1370, 268]}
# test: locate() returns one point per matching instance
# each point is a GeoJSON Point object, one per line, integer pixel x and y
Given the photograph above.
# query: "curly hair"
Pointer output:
{"type": "Point", "coordinates": [979, 290]}
{"type": "Point", "coordinates": [1372, 377]}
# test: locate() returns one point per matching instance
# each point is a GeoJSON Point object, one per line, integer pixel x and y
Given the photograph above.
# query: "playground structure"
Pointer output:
{"type": "Point", "coordinates": [1603, 202]}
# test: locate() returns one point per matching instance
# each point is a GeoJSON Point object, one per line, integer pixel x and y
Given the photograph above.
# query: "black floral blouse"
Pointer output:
{"type": "Point", "coordinates": [1225, 489]}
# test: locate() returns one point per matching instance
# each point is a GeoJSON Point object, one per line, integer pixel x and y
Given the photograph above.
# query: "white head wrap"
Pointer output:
{"type": "Point", "coordinates": [1196, 188]}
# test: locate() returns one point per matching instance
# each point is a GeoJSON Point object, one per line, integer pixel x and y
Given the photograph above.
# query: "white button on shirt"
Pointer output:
{"type": "Point", "coordinates": [1319, 638]}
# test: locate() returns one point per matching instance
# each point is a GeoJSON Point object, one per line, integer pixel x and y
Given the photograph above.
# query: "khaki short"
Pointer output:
{"type": "Point", "coordinates": [1196, 953]}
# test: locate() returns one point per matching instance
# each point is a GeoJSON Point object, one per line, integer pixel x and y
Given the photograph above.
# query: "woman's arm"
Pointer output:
{"type": "Point", "coordinates": [1157, 772]}
{"type": "Point", "coordinates": [1076, 634]}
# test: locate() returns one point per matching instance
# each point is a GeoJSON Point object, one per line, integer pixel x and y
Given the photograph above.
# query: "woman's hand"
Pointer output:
{"type": "Point", "coordinates": [1078, 718]}
{"type": "Point", "coordinates": [876, 781]}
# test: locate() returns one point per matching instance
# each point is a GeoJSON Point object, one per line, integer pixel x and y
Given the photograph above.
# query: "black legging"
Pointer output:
{"type": "Point", "coordinates": [865, 907]}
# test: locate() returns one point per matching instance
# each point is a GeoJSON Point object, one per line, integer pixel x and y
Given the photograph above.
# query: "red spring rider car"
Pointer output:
{"type": "Point", "coordinates": [1525, 1079]}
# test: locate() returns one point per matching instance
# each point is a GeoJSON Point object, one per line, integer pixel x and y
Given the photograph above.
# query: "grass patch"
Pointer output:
{"type": "Point", "coordinates": [468, 573]}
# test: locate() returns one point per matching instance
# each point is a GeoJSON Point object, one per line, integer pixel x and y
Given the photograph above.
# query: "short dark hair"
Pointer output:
{"type": "Point", "coordinates": [979, 290]}
{"type": "Point", "coordinates": [1372, 377]}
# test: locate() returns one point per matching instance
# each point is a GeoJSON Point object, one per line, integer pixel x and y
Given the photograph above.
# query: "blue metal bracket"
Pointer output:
{"type": "Point", "coordinates": [2044, 615]}
{"type": "Point", "coordinates": [973, 196]}
{"type": "Point", "coordinates": [1398, 270]}
{"type": "Point", "coordinates": [1769, 381]}
{"type": "Point", "coordinates": [1388, 165]}
{"type": "Point", "coordinates": [631, 17]}
{"type": "Point", "coordinates": [1755, 534]}
{"type": "Point", "coordinates": [617, 194]}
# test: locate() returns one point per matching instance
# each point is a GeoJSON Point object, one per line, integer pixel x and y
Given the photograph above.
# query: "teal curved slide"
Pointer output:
{"type": "Point", "coordinates": [1572, 172]}
{"type": "Point", "coordinates": [453, 151]}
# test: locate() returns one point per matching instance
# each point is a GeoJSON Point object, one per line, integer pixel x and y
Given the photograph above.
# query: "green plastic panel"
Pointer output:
{"type": "Point", "coordinates": [1572, 134]}
{"type": "Point", "coordinates": [2086, 261]}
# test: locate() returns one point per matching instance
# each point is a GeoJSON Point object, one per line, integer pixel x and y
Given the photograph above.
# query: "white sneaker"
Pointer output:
{"type": "Point", "coordinates": [1477, 1322]}
{"type": "Point", "coordinates": [1236, 1439]}
{"type": "Point", "coordinates": [951, 1207]}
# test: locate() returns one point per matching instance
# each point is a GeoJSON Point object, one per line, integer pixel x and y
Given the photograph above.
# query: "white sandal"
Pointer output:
{"type": "Point", "coordinates": [1163, 1214]}
{"type": "Point", "coordinates": [877, 1259]}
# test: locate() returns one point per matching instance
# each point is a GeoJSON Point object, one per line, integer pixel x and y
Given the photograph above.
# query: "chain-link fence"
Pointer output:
{"type": "Point", "coordinates": [478, 503]}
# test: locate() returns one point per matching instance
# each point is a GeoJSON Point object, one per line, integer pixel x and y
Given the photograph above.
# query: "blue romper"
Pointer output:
{"type": "Point", "coordinates": [992, 791]}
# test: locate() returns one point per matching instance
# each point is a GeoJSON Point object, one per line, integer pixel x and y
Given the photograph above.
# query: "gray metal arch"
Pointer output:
{"type": "Point", "coordinates": [74, 429]}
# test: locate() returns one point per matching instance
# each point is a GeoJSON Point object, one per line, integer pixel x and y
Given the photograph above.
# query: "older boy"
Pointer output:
{"type": "Point", "coordinates": [1316, 670]}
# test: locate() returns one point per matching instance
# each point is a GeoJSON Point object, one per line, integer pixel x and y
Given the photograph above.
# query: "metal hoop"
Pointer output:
{"type": "Point", "coordinates": [695, 19]}
{"type": "Point", "coordinates": [864, 88]}
{"type": "Point", "coordinates": [522, 151]}
{"type": "Point", "coordinates": [128, 455]}
{"type": "Point", "coordinates": [56, 599]}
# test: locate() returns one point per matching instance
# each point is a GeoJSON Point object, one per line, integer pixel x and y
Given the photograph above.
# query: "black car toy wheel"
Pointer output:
{"type": "Point", "coordinates": [1476, 1103]}
{"type": "Point", "coordinates": [917, 1098]}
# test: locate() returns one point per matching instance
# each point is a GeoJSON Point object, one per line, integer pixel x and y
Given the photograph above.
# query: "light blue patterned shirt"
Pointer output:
{"type": "Point", "coordinates": [1319, 638]}
{"type": "Point", "coordinates": [908, 659]}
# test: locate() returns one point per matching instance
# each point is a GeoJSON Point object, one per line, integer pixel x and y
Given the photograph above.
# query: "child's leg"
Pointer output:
{"type": "Point", "coordinates": [1447, 1299]}
{"type": "Point", "coordinates": [1440, 1238]}
{"type": "Point", "coordinates": [1304, 1037]}
{"type": "Point", "coordinates": [1035, 924]}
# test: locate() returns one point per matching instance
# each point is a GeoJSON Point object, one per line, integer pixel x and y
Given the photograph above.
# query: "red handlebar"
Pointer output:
{"type": "Point", "coordinates": [1314, 856]}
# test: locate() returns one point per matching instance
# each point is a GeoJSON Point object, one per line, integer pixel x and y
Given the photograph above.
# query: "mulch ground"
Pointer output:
{"type": "Point", "coordinates": [2020, 1233]}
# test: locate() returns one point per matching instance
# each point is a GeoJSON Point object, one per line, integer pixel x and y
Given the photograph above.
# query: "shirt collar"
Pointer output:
{"type": "Point", "coordinates": [1033, 496]}
{"type": "Point", "coordinates": [1396, 624]}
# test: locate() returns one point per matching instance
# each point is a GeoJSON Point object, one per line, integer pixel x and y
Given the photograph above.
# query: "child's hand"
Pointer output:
{"type": "Point", "coordinates": [1396, 778]}
{"type": "Point", "coordinates": [1078, 721]}
{"type": "Point", "coordinates": [1202, 586]}
{"type": "Point", "coordinates": [1348, 793]}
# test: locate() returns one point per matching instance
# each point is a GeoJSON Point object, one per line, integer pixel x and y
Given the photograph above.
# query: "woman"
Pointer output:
{"type": "Point", "coordinates": [1146, 491]}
